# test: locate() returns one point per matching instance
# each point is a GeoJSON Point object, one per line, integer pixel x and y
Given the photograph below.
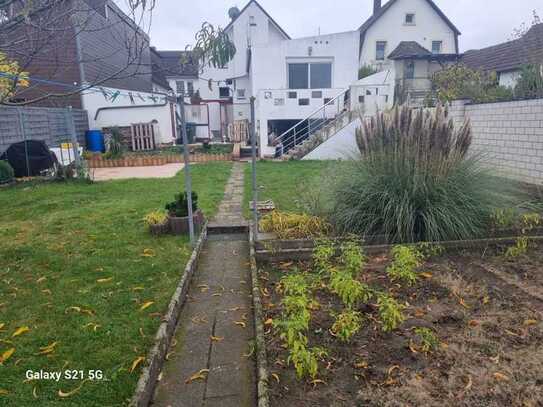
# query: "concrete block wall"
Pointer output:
{"type": "Point", "coordinates": [508, 134]}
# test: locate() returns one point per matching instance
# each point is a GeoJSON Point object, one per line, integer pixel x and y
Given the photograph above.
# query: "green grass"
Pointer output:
{"type": "Point", "coordinates": [57, 241]}
{"type": "Point", "coordinates": [282, 182]}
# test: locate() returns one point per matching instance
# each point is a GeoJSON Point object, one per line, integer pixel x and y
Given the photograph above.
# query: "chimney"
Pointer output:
{"type": "Point", "coordinates": [376, 6]}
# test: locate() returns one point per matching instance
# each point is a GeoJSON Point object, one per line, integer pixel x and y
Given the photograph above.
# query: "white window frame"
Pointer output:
{"type": "Point", "coordinates": [183, 87]}
{"type": "Point", "coordinates": [384, 50]}
{"type": "Point", "coordinates": [414, 22]}
{"type": "Point", "coordinates": [309, 62]}
{"type": "Point", "coordinates": [440, 47]}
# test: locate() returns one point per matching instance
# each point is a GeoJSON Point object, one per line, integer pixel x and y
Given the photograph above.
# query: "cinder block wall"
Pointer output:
{"type": "Point", "coordinates": [509, 134]}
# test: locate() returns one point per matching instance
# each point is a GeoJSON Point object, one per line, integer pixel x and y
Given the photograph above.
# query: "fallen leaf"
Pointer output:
{"type": "Point", "coordinates": [44, 350]}
{"type": "Point", "coordinates": [528, 322]}
{"type": "Point", "coordinates": [2, 325]}
{"type": "Point", "coordinates": [486, 299]}
{"type": "Point", "coordinates": [474, 323]}
{"type": "Point", "coordinates": [393, 368]}
{"type": "Point", "coordinates": [46, 291]}
{"type": "Point", "coordinates": [3, 392]}
{"type": "Point", "coordinates": [216, 338]}
{"type": "Point", "coordinates": [39, 280]}
{"type": "Point", "coordinates": [501, 377]}
{"type": "Point", "coordinates": [76, 309]}
{"type": "Point", "coordinates": [141, 333]}
{"type": "Point", "coordinates": [426, 275]}
{"type": "Point", "coordinates": [361, 365]}
{"type": "Point", "coordinates": [201, 375]}
{"type": "Point", "coordinates": [20, 331]}
{"type": "Point", "coordinates": [463, 303]}
{"type": "Point", "coordinates": [269, 321]}
{"type": "Point", "coordinates": [146, 305]}
{"type": "Point", "coordinates": [6, 355]}
{"type": "Point", "coordinates": [469, 384]}
{"type": "Point", "coordinates": [240, 323]}
{"type": "Point", "coordinates": [138, 288]}
{"type": "Point", "coordinates": [35, 392]}
{"type": "Point", "coordinates": [104, 280]}
{"type": "Point", "coordinates": [317, 381]}
{"type": "Point", "coordinates": [72, 392]}
{"type": "Point", "coordinates": [148, 253]}
{"type": "Point", "coordinates": [276, 377]}
{"type": "Point", "coordinates": [136, 363]}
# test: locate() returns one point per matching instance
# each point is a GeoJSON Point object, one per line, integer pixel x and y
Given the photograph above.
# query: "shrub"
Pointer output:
{"type": "Point", "coordinates": [179, 207]}
{"type": "Point", "coordinates": [415, 181]}
{"type": "Point", "coordinates": [427, 339]}
{"type": "Point", "coordinates": [155, 218]}
{"type": "Point", "coordinates": [6, 172]}
{"type": "Point", "coordinates": [294, 226]}
{"type": "Point", "coordinates": [406, 261]}
{"type": "Point", "coordinates": [365, 71]}
{"type": "Point", "coordinates": [530, 82]}
{"type": "Point", "coordinates": [390, 312]}
{"type": "Point", "coordinates": [347, 324]}
{"type": "Point", "coordinates": [114, 144]}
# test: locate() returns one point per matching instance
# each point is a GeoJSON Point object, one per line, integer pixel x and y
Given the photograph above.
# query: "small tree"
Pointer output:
{"type": "Point", "coordinates": [11, 77]}
{"type": "Point", "coordinates": [530, 82]}
{"type": "Point", "coordinates": [365, 71]}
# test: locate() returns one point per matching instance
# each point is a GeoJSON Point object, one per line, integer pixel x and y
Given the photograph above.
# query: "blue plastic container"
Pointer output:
{"type": "Point", "coordinates": [95, 141]}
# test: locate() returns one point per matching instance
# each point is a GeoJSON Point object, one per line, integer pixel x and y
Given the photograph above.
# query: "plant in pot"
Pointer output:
{"type": "Point", "coordinates": [178, 214]}
{"type": "Point", "coordinates": [157, 222]}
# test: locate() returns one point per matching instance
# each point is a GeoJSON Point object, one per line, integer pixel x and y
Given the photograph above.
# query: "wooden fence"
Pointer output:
{"type": "Point", "coordinates": [238, 132]}
{"type": "Point", "coordinates": [143, 137]}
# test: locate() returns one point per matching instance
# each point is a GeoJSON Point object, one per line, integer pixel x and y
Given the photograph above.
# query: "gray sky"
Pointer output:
{"type": "Point", "coordinates": [482, 22]}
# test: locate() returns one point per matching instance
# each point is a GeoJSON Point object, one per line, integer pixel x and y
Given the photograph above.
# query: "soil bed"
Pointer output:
{"type": "Point", "coordinates": [489, 330]}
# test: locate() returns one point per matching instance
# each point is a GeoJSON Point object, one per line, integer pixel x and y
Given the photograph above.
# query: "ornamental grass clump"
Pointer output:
{"type": "Point", "coordinates": [415, 180]}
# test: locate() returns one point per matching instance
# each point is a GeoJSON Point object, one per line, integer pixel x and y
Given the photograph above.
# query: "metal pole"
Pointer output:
{"type": "Point", "coordinates": [188, 179]}
{"type": "Point", "coordinates": [71, 128]}
{"type": "Point", "coordinates": [22, 128]}
{"type": "Point", "coordinates": [253, 165]}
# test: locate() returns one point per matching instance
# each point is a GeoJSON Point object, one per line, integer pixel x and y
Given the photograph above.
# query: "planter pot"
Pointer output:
{"type": "Point", "coordinates": [180, 226]}
{"type": "Point", "coordinates": [159, 230]}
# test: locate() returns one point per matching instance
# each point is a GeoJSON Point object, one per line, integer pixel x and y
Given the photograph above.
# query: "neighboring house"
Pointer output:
{"type": "Point", "coordinates": [95, 43]}
{"type": "Point", "coordinates": [507, 59]}
{"type": "Point", "coordinates": [300, 84]}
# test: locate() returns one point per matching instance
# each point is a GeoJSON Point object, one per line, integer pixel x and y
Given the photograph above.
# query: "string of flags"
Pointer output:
{"type": "Point", "coordinates": [111, 95]}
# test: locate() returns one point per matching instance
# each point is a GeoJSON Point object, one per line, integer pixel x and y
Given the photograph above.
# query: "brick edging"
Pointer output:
{"type": "Point", "coordinates": [261, 358]}
{"type": "Point", "coordinates": [157, 355]}
{"type": "Point", "coordinates": [150, 160]}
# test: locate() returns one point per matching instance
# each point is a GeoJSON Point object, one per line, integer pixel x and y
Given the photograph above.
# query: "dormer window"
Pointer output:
{"type": "Point", "coordinates": [410, 19]}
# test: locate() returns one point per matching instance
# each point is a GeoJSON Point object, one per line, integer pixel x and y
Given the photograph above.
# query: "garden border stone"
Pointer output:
{"type": "Point", "coordinates": [286, 250]}
{"type": "Point", "coordinates": [261, 358]}
{"type": "Point", "coordinates": [157, 355]}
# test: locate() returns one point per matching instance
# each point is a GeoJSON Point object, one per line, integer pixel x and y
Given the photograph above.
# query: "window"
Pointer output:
{"type": "Point", "coordinates": [190, 88]}
{"type": "Point", "coordinates": [316, 94]}
{"type": "Point", "coordinates": [328, 101]}
{"type": "Point", "coordinates": [409, 70]}
{"type": "Point", "coordinates": [380, 49]}
{"type": "Point", "coordinates": [180, 87]}
{"type": "Point", "coordinates": [293, 95]}
{"type": "Point", "coordinates": [437, 46]}
{"type": "Point", "coordinates": [224, 92]}
{"type": "Point", "coordinates": [241, 93]}
{"type": "Point", "coordinates": [279, 102]}
{"type": "Point", "coordinates": [252, 21]}
{"type": "Point", "coordinates": [410, 19]}
{"type": "Point", "coordinates": [303, 102]}
{"type": "Point", "coordinates": [361, 98]}
{"type": "Point", "coordinates": [316, 75]}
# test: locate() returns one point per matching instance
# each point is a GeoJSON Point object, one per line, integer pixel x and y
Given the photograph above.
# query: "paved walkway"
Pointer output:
{"type": "Point", "coordinates": [215, 330]}
{"type": "Point", "coordinates": [230, 211]}
{"type": "Point", "coordinates": [158, 171]}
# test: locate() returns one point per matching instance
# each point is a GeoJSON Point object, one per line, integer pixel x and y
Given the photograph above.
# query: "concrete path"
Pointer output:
{"type": "Point", "coordinates": [230, 211]}
{"type": "Point", "coordinates": [210, 362]}
{"type": "Point", "coordinates": [158, 171]}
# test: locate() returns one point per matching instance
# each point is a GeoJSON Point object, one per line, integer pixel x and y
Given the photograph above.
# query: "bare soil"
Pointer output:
{"type": "Point", "coordinates": [490, 332]}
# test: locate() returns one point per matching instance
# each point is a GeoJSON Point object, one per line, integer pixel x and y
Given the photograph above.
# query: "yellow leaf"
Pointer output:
{"type": "Point", "coordinates": [501, 377]}
{"type": "Point", "coordinates": [3, 392]}
{"type": "Point", "coordinates": [76, 309]}
{"type": "Point", "coordinates": [72, 392]}
{"type": "Point", "coordinates": [104, 280]}
{"type": "Point", "coordinates": [528, 322]}
{"type": "Point", "coordinates": [136, 363]}
{"type": "Point", "coordinates": [39, 280]}
{"type": "Point", "coordinates": [426, 275]}
{"type": "Point", "coordinates": [240, 323]}
{"type": "Point", "coordinates": [217, 338]}
{"type": "Point", "coordinates": [47, 349]}
{"type": "Point", "coordinates": [201, 375]}
{"type": "Point", "coordinates": [35, 392]}
{"type": "Point", "coordinates": [148, 253]}
{"type": "Point", "coordinates": [276, 377]}
{"type": "Point", "coordinates": [269, 321]}
{"type": "Point", "coordinates": [317, 381]}
{"type": "Point", "coordinates": [46, 291]}
{"type": "Point", "coordinates": [2, 325]}
{"type": "Point", "coordinates": [138, 289]}
{"type": "Point", "coordinates": [20, 331]}
{"type": "Point", "coordinates": [6, 355]}
{"type": "Point", "coordinates": [146, 305]}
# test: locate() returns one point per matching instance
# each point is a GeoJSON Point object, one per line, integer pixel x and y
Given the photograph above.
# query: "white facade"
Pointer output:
{"type": "Point", "coordinates": [119, 107]}
{"type": "Point", "coordinates": [392, 28]}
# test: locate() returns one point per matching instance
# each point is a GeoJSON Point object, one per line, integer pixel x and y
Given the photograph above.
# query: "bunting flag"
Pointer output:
{"type": "Point", "coordinates": [131, 98]}
{"type": "Point", "coordinates": [141, 97]}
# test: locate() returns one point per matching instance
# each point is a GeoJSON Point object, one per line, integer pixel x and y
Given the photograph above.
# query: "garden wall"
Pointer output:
{"type": "Point", "coordinates": [509, 134]}
{"type": "Point", "coordinates": [40, 123]}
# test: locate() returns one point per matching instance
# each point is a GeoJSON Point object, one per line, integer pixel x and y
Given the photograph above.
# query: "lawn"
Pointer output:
{"type": "Point", "coordinates": [282, 181]}
{"type": "Point", "coordinates": [83, 286]}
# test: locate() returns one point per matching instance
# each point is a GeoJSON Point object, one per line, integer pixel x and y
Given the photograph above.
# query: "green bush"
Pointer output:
{"type": "Point", "coordinates": [365, 71]}
{"type": "Point", "coordinates": [530, 82]}
{"type": "Point", "coordinates": [415, 181]}
{"type": "Point", "coordinates": [115, 147]}
{"type": "Point", "coordinates": [6, 172]}
{"type": "Point", "coordinates": [179, 207]}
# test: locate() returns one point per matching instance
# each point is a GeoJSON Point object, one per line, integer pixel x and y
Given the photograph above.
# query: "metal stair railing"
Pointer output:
{"type": "Point", "coordinates": [318, 119]}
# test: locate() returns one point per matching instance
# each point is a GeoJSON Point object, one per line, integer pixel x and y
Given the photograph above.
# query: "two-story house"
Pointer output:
{"type": "Point", "coordinates": [301, 84]}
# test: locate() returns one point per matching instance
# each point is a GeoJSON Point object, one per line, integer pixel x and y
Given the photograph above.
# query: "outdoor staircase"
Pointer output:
{"type": "Point", "coordinates": [309, 133]}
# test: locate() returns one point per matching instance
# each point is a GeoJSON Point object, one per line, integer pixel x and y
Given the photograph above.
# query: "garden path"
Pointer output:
{"type": "Point", "coordinates": [209, 362]}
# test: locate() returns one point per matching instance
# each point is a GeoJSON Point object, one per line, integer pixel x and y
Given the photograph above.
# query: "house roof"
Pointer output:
{"type": "Point", "coordinates": [410, 50]}
{"type": "Point", "coordinates": [172, 63]}
{"type": "Point", "coordinates": [370, 21]}
{"type": "Point", "coordinates": [508, 56]}
{"type": "Point", "coordinates": [157, 72]}
{"type": "Point", "coordinates": [264, 11]}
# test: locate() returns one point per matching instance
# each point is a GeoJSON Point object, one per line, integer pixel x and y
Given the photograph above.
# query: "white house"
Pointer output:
{"type": "Point", "coordinates": [301, 85]}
